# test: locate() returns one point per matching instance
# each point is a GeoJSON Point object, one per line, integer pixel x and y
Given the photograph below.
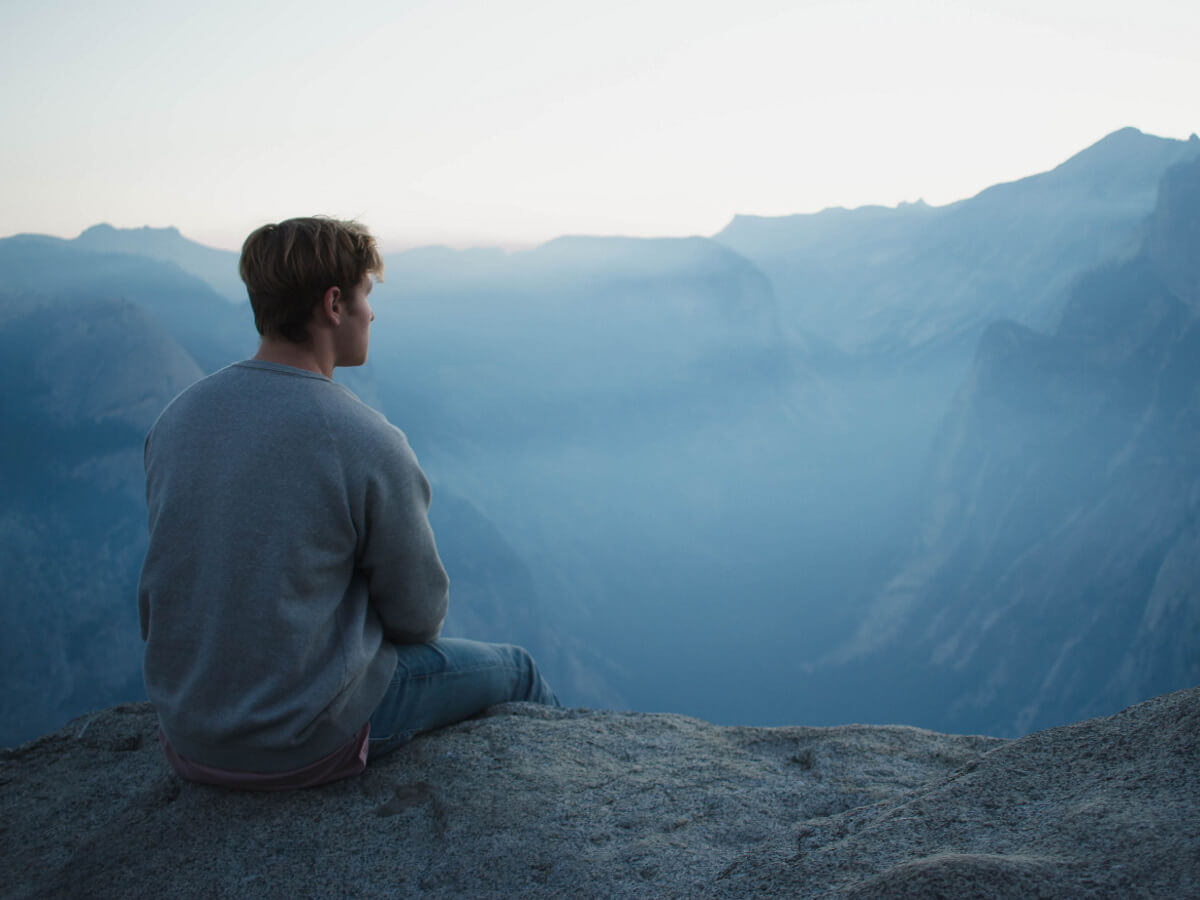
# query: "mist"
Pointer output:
{"type": "Point", "coordinates": [922, 465]}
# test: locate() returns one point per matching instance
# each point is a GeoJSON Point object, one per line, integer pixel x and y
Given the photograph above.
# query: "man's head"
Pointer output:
{"type": "Point", "coordinates": [288, 269]}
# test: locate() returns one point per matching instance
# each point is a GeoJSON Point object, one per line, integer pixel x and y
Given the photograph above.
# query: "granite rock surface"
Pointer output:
{"type": "Point", "coordinates": [537, 802]}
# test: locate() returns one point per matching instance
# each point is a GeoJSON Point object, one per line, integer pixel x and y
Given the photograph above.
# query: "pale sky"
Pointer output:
{"type": "Point", "coordinates": [513, 121]}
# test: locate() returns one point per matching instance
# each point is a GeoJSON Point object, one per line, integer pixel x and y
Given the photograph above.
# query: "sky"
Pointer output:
{"type": "Point", "coordinates": [510, 123]}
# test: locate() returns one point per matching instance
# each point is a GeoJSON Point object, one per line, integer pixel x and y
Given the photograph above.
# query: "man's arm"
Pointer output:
{"type": "Point", "coordinates": [408, 585]}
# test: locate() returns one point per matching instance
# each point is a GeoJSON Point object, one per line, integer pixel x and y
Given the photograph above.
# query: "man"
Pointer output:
{"type": "Point", "coordinates": [292, 596]}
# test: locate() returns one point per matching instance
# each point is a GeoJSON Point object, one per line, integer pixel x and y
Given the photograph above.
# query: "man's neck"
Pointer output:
{"type": "Point", "coordinates": [300, 356]}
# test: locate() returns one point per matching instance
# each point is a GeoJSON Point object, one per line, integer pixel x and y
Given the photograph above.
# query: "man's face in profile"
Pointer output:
{"type": "Point", "coordinates": [353, 332]}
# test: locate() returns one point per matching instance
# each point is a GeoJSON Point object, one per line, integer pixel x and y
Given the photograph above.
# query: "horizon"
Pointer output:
{"type": "Point", "coordinates": [390, 246]}
{"type": "Point", "coordinates": [444, 124]}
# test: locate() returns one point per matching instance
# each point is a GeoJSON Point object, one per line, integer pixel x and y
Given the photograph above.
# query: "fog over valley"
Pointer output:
{"type": "Point", "coordinates": [931, 465]}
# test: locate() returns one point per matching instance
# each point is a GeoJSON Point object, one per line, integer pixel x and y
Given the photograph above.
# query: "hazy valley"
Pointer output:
{"type": "Point", "coordinates": [934, 466]}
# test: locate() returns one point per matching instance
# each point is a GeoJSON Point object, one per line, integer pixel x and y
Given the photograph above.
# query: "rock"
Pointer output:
{"type": "Point", "coordinates": [530, 801]}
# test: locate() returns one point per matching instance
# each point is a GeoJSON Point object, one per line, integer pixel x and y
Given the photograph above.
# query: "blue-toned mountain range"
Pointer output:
{"type": "Point", "coordinates": [923, 465]}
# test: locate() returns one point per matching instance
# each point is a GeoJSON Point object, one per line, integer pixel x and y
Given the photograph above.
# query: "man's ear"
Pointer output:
{"type": "Point", "coordinates": [331, 305]}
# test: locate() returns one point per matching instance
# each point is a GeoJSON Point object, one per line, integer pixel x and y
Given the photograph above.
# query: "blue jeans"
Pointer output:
{"type": "Point", "coordinates": [448, 680]}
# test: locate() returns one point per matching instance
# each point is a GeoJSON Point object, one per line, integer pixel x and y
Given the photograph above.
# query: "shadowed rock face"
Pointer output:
{"type": "Point", "coordinates": [83, 385]}
{"type": "Point", "coordinates": [1054, 575]}
{"type": "Point", "coordinates": [541, 802]}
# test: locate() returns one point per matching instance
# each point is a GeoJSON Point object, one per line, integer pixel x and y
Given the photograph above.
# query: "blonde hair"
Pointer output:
{"type": "Point", "coordinates": [288, 267]}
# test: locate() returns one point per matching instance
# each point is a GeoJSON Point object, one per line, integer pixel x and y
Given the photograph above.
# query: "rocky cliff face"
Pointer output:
{"type": "Point", "coordinates": [537, 802]}
{"type": "Point", "coordinates": [1056, 569]}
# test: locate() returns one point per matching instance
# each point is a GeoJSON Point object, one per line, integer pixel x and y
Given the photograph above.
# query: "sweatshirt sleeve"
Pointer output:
{"type": "Point", "coordinates": [407, 584]}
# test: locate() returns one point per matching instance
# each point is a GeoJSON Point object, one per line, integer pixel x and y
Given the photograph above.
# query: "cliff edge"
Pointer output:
{"type": "Point", "coordinates": [535, 802]}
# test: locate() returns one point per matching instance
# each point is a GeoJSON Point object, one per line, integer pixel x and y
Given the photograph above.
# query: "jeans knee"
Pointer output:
{"type": "Point", "coordinates": [533, 687]}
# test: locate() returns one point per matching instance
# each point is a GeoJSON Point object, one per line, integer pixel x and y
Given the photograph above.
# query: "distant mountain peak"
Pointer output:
{"type": "Point", "coordinates": [1124, 150]}
{"type": "Point", "coordinates": [217, 267]}
{"type": "Point", "coordinates": [104, 230]}
{"type": "Point", "coordinates": [1128, 131]}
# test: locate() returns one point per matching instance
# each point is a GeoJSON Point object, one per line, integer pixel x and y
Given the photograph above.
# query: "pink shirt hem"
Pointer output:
{"type": "Point", "coordinates": [347, 760]}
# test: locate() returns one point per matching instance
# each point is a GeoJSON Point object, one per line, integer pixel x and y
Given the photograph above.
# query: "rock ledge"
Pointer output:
{"type": "Point", "coordinates": [535, 802]}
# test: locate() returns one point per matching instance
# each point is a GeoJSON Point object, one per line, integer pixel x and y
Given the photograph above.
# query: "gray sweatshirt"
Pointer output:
{"type": "Point", "coordinates": [289, 550]}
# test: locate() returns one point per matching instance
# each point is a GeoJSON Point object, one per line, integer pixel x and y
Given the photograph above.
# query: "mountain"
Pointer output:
{"type": "Point", "coordinates": [217, 268]}
{"type": "Point", "coordinates": [84, 381]}
{"type": "Point", "coordinates": [87, 371]}
{"type": "Point", "coordinates": [583, 360]}
{"type": "Point", "coordinates": [653, 467]}
{"type": "Point", "coordinates": [584, 316]}
{"type": "Point", "coordinates": [1056, 570]}
{"type": "Point", "coordinates": [213, 331]}
{"type": "Point", "coordinates": [919, 280]}
{"type": "Point", "coordinates": [627, 412]}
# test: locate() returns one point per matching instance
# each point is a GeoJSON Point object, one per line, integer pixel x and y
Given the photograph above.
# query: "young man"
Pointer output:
{"type": "Point", "coordinates": [292, 596]}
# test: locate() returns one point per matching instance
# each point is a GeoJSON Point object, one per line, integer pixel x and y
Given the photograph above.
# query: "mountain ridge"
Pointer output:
{"type": "Point", "coordinates": [911, 282]}
{"type": "Point", "coordinates": [667, 470]}
{"type": "Point", "coordinates": [217, 268]}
